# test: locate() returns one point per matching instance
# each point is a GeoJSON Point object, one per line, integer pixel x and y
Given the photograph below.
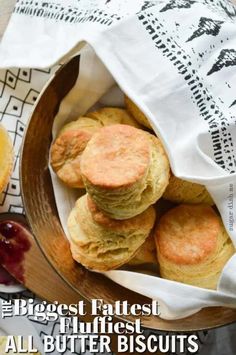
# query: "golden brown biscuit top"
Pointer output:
{"type": "Point", "coordinates": [67, 146]}
{"type": "Point", "coordinates": [144, 221]}
{"type": "Point", "coordinates": [188, 234]}
{"type": "Point", "coordinates": [113, 115]}
{"type": "Point", "coordinates": [116, 156]}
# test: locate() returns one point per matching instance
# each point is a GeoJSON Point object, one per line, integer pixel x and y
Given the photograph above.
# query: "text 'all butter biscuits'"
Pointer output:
{"type": "Point", "coordinates": [101, 243]}
{"type": "Point", "coordinates": [125, 170]}
{"type": "Point", "coordinates": [192, 245]}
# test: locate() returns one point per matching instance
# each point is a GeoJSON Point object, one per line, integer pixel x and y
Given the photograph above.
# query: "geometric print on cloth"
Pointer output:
{"type": "Point", "coordinates": [19, 89]}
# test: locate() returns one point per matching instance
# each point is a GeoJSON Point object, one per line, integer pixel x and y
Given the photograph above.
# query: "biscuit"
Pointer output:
{"type": "Point", "coordinates": [101, 243]}
{"type": "Point", "coordinates": [146, 254]}
{"type": "Point", "coordinates": [136, 113]}
{"type": "Point", "coordinates": [72, 139]}
{"type": "Point", "coordinates": [112, 115]}
{"type": "Point", "coordinates": [6, 158]}
{"type": "Point", "coordinates": [192, 245]}
{"type": "Point", "coordinates": [182, 191]}
{"type": "Point", "coordinates": [125, 170]}
{"type": "Point", "coordinates": [67, 149]}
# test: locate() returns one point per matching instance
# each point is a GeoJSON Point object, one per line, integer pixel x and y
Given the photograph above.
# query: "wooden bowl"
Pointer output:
{"type": "Point", "coordinates": [42, 215]}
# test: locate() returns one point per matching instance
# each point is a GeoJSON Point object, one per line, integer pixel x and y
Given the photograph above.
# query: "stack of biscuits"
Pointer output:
{"type": "Point", "coordinates": [115, 156]}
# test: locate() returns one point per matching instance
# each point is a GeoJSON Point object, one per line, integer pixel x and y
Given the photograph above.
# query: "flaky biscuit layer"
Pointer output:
{"type": "Point", "coordinates": [146, 254]}
{"type": "Point", "coordinates": [113, 115]}
{"type": "Point", "coordinates": [181, 191]}
{"type": "Point", "coordinates": [125, 170]}
{"type": "Point", "coordinates": [101, 243]}
{"type": "Point", "coordinates": [67, 148]}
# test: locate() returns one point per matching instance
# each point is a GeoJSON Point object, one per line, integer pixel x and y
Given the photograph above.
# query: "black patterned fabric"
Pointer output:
{"type": "Point", "coordinates": [19, 89]}
{"type": "Point", "coordinates": [219, 126]}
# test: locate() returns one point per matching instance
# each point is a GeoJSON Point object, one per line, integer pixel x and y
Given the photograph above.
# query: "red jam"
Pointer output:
{"type": "Point", "coordinates": [6, 278]}
{"type": "Point", "coordinates": [14, 242]}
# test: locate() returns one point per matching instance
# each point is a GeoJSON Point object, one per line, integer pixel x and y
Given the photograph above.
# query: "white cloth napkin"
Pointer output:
{"type": "Point", "coordinates": [176, 59]}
